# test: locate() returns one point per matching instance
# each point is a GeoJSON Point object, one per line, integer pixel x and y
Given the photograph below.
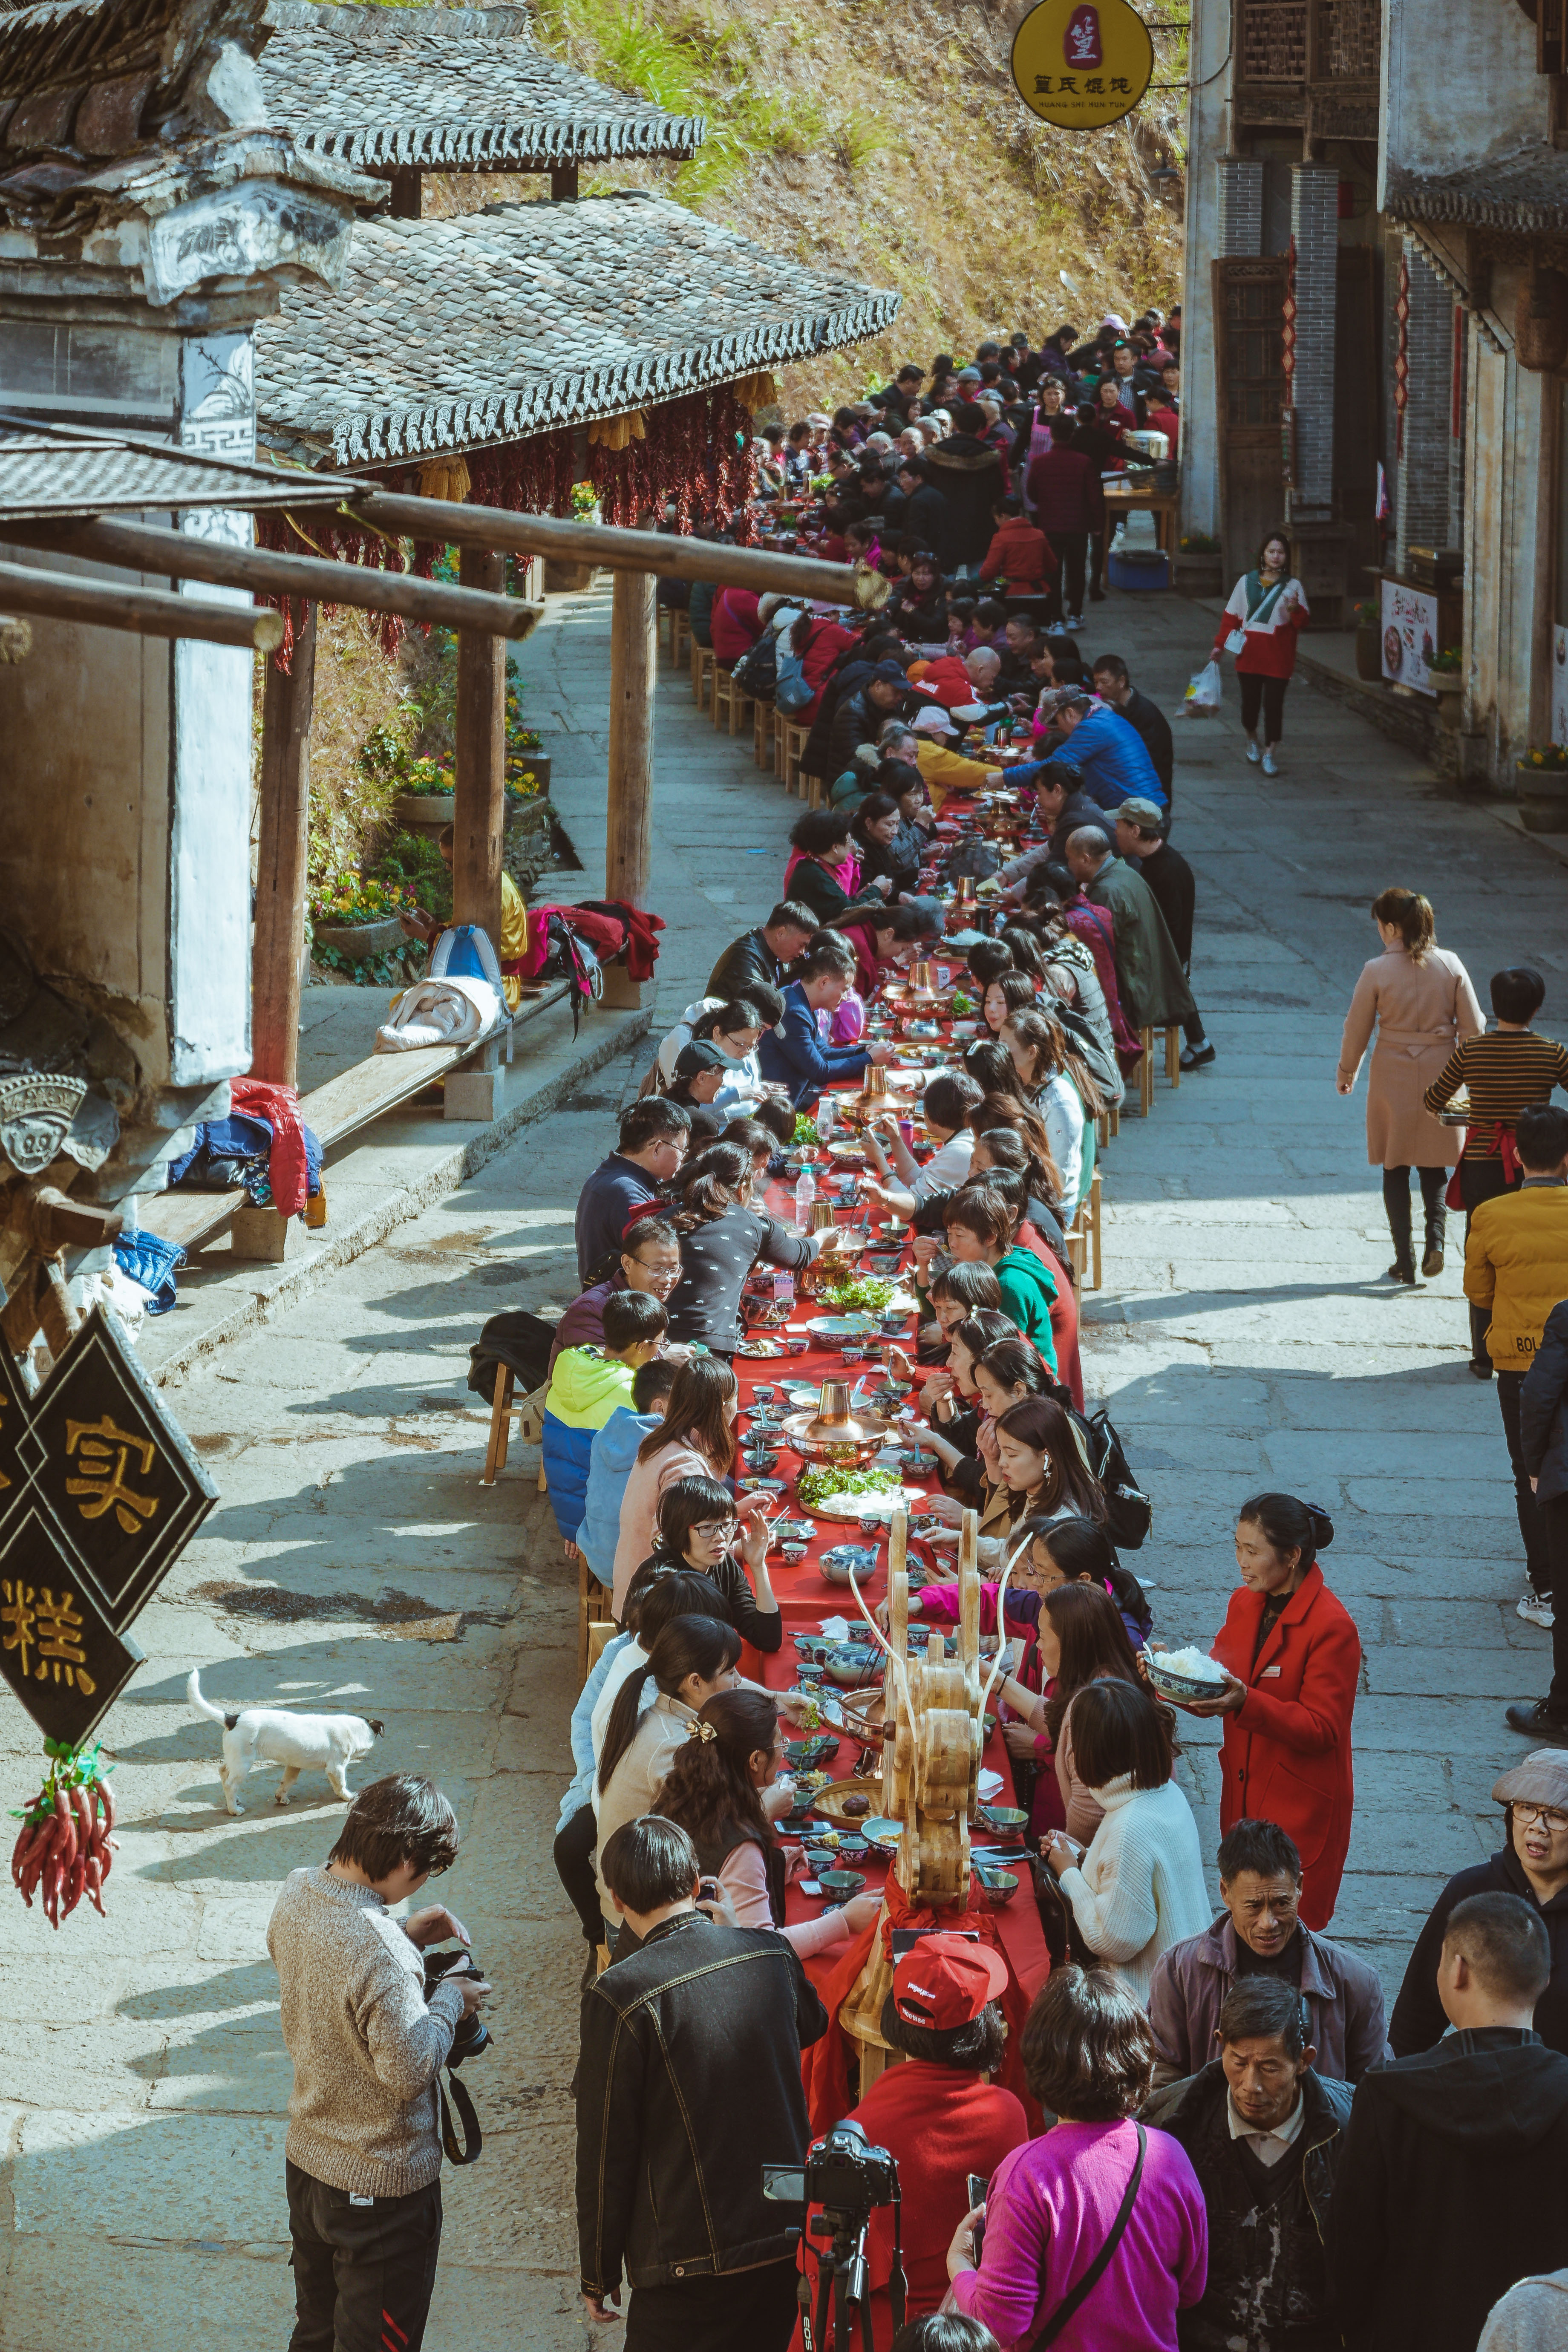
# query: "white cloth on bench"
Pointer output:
{"type": "Point", "coordinates": [456, 1010]}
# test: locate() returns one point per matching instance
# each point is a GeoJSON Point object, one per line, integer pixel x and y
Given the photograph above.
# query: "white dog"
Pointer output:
{"type": "Point", "coordinates": [271, 1735]}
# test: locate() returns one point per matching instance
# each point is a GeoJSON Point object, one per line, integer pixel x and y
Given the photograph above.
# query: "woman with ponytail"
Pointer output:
{"type": "Point", "coordinates": [691, 1659]}
{"type": "Point", "coordinates": [1291, 1655]}
{"type": "Point", "coordinates": [717, 1792]}
{"type": "Point", "coordinates": [696, 1439]}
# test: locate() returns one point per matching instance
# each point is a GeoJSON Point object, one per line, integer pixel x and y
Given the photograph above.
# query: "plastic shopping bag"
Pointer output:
{"type": "Point", "coordinates": [1203, 691]}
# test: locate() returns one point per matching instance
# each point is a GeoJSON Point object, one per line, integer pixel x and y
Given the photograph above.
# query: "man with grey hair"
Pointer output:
{"type": "Point", "coordinates": [1263, 2130]}
{"type": "Point", "coordinates": [1149, 976]}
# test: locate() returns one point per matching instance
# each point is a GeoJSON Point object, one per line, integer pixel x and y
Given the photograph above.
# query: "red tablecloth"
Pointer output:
{"type": "Point", "coordinates": [805, 1597]}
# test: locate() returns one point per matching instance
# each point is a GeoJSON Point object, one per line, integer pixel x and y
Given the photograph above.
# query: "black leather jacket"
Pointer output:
{"type": "Point", "coordinates": [688, 2083]}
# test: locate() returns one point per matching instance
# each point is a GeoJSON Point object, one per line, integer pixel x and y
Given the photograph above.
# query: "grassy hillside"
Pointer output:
{"type": "Point", "coordinates": [893, 146]}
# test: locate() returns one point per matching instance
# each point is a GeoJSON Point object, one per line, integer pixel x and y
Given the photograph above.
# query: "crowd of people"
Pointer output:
{"type": "Point", "coordinates": [1203, 2132]}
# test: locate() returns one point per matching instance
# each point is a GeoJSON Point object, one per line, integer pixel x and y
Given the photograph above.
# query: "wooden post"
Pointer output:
{"type": "Point", "coordinates": [564, 183]}
{"type": "Point", "coordinates": [278, 936]}
{"type": "Point", "coordinates": [628, 834]}
{"type": "Point", "coordinates": [478, 813]}
{"type": "Point", "coordinates": [408, 193]}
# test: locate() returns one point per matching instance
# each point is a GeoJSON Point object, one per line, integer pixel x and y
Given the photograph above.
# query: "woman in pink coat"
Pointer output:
{"type": "Point", "coordinates": [1418, 998]}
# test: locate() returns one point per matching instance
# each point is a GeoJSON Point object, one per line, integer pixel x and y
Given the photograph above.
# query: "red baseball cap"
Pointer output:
{"type": "Point", "coordinates": [946, 1981]}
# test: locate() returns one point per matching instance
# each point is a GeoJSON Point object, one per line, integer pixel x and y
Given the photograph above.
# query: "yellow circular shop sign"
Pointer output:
{"type": "Point", "coordinates": [1081, 64]}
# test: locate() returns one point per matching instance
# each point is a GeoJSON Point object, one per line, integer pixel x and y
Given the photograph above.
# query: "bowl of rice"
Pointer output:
{"type": "Point", "coordinates": [1186, 1673]}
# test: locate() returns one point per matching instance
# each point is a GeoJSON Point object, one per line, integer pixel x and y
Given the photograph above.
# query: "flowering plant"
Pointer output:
{"type": "Point", "coordinates": [1367, 617]}
{"type": "Point", "coordinates": [350, 898]}
{"type": "Point", "coordinates": [1446, 663]}
{"type": "Point", "coordinates": [1198, 542]}
{"type": "Point", "coordinates": [1548, 755]}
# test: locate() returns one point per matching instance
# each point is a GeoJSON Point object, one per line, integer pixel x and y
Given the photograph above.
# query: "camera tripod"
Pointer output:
{"type": "Point", "coordinates": [843, 2283]}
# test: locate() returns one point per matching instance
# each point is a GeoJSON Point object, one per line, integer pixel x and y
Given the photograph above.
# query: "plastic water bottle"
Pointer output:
{"type": "Point", "coordinates": [825, 1118]}
{"type": "Point", "coordinates": [804, 1197]}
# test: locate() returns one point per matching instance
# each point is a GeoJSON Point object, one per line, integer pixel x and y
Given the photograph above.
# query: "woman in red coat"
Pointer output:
{"type": "Point", "coordinates": [1269, 608]}
{"type": "Point", "coordinates": [1291, 1655]}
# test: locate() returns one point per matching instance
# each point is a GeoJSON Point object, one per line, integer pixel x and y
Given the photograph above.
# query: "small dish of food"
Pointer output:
{"type": "Point", "coordinates": [1186, 1673]}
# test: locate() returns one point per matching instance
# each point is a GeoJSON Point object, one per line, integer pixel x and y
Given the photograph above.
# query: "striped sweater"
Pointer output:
{"type": "Point", "coordinates": [1505, 1072]}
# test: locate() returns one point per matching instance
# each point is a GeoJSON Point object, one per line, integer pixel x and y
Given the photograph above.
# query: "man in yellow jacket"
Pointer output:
{"type": "Point", "coordinates": [1516, 1264]}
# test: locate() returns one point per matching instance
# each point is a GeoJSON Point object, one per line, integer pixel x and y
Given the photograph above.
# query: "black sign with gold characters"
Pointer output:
{"type": "Point", "coordinates": [99, 1494]}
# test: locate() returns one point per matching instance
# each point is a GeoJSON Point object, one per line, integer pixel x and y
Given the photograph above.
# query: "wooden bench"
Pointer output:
{"type": "Point", "coordinates": [704, 663]}
{"type": "Point", "coordinates": [334, 1111]}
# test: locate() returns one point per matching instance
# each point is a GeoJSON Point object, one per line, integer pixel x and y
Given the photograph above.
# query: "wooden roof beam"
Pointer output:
{"type": "Point", "coordinates": [136, 547]}
{"type": "Point", "coordinates": [146, 611]}
{"type": "Point", "coordinates": [625, 550]}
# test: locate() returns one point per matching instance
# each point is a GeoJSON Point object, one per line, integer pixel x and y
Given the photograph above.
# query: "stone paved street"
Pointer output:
{"type": "Point", "coordinates": [1245, 1338]}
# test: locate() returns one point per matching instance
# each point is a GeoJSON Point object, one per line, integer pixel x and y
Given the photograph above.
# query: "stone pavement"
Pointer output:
{"type": "Point", "coordinates": [1244, 1339]}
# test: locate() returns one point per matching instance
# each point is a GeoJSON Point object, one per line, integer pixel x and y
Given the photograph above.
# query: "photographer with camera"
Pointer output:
{"type": "Point", "coordinates": [936, 2116]}
{"type": "Point", "coordinates": [368, 2035]}
{"type": "Point", "coordinates": [689, 2082]}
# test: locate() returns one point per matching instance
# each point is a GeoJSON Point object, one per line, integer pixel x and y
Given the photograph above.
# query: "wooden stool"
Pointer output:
{"type": "Point", "coordinates": [592, 1608]}
{"type": "Point", "coordinates": [1146, 1072]}
{"type": "Point", "coordinates": [529, 1414]}
{"type": "Point", "coordinates": [703, 665]}
{"type": "Point", "coordinates": [795, 741]}
{"type": "Point", "coordinates": [728, 697]}
{"type": "Point", "coordinates": [1103, 1130]}
{"type": "Point", "coordinates": [765, 736]}
{"type": "Point", "coordinates": [600, 1633]}
{"type": "Point", "coordinates": [1094, 1220]}
{"type": "Point", "coordinates": [679, 635]}
{"type": "Point", "coordinates": [1174, 1054]}
{"type": "Point", "coordinates": [1114, 1116]}
{"type": "Point", "coordinates": [812, 789]}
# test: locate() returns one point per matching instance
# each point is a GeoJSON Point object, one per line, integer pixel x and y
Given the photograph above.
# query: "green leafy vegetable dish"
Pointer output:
{"type": "Point", "coordinates": [813, 1486]}
{"type": "Point", "coordinates": [861, 1293]}
{"type": "Point", "coordinates": [804, 1129]}
{"type": "Point", "coordinates": [963, 1006]}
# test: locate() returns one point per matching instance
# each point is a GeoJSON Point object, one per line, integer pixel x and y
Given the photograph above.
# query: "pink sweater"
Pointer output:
{"type": "Point", "coordinates": [640, 1508]}
{"type": "Point", "coordinates": [744, 1880]}
{"type": "Point", "coordinates": [1051, 2207]}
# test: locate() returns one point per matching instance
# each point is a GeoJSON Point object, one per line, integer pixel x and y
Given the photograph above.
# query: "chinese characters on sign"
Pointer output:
{"type": "Point", "coordinates": [1081, 64]}
{"type": "Point", "coordinates": [99, 1496]}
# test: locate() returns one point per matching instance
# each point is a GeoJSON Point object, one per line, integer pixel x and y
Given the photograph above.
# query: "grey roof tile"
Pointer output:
{"type": "Point", "coordinates": [1527, 190]}
{"type": "Point", "coordinates": [448, 90]}
{"type": "Point", "coordinates": [451, 334]}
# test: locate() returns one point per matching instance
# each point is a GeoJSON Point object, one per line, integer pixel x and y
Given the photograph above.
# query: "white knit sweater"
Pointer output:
{"type": "Point", "coordinates": [1141, 1887]}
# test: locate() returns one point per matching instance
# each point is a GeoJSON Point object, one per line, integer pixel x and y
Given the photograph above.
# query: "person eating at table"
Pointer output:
{"type": "Point", "coordinates": [793, 1055]}
{"type": "Point", "coordinates": [946, 1108]}
{"type": "Point", "coordinates": [696, 1439]}
{"type": "Point", "coordinates": [721, 1788]}
{"type": "Point", "coordinates": [722, 1238]}
{"type": "Point", "coordinates": [979, 1226]}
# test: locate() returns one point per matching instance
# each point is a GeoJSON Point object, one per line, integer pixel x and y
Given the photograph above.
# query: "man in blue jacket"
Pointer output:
{"type": "Point", "coordinates": [794, 1054]}
{"type": "Point", "coordinates": [1106, 755]}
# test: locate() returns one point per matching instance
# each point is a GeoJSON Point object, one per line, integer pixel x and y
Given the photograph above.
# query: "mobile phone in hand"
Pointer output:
{"type": "Point", "coordinates": [975, 2187]}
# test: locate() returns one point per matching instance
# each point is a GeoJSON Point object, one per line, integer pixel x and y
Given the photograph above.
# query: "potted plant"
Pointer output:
{"type": "Point", "coordinates": [1541, 781]}
{"type": "Point", "coordinates": [352, 920]}
{"type": "Point", "coordinates": [427, 788]}
{"type": "Point", "coordinates": [1443, 669]}
{"type": "Point", "coordinates": [1368, 643]}
{"type": "Point", "coordinates": [1199, 568]}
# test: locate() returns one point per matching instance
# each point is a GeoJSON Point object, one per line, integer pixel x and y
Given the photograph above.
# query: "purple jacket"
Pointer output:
{"type": "Point", "coordinates": [1050, 2208]}
{"type": "Point", "coordinates": [583, 1324]}
{"type": "Point", "coordinates": [1344, 1995]}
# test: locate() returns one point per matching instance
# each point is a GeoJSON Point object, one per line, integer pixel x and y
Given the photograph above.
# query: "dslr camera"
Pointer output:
{"type": "Point", "coordinates": [473, 2034]}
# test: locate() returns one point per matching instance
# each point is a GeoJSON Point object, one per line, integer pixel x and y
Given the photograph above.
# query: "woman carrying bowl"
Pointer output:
{"type": "Point", "coordinates": [1291, 1655]}
{"type": "Point", "coordinates": [716, 1791]}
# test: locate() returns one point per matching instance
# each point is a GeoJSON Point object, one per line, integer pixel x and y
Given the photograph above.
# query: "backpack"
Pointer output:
{"type": "Point", "coordinates": [1128, 1514]}
{"type": "Point", "coordinates": [758, 671]}
{"type": "Point", "coordinates": [793, 689]}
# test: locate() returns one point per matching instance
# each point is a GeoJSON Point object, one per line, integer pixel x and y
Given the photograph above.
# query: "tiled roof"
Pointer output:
{"type": "Point", "coordinates": [1527, 191]}
{"type": "Point", "coordinates": [47, 474]}
{"type": "Point", "coordinates": [98, 77]}
{"type": "Point", "coordinates": [448, 89]}
{"type": "Point", "coordinates": [453, 334]}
